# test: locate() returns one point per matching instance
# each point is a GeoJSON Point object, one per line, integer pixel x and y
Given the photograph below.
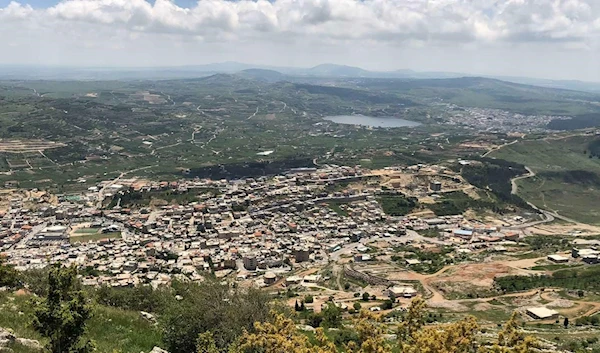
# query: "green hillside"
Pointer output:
{"type": "Point", "coordinates": [567, 176]}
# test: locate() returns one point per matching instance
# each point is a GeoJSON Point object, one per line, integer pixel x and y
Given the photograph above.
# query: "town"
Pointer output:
{"type": "Point", "coordinates": [323, 232]}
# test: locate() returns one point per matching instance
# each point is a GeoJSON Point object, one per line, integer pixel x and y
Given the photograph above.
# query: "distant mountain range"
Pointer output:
{"type": "Point", "coordinates": [261, 72]}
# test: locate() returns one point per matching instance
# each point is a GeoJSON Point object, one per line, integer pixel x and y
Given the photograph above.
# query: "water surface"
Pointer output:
{"type": "Point", "coordinates": [382, 121]}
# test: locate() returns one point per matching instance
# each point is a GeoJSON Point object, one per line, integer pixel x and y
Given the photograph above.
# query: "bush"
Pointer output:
{"type": "Point", "coordinates": [344, 336]}
{"type": "Point", "coordinates": [314, 320]}
{"type": "Point", "coordinates": [210, 306]}
{"type": "Point", "coordinates": [308, 299]}
{"type": "Point", "coordinates": [387, 305]}
{"type": "Point", "coordinates": [357, 306]}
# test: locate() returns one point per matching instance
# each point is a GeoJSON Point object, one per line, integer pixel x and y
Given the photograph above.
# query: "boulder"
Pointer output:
{"type": "Point", "coordinates": [148, 316]}
{"type": "Point", "coordinates": [7, 334]}
{"type": "Point", "coordinates": [31, 344]}
{"type": "Point", "coordinates": [158, 350]}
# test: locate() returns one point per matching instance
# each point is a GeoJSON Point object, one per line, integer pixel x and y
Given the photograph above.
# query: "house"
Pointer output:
{"type": "Point", "coordinates": [312, 278]}
{"type": "Point", "coordinates": [557, 258]}
{"type": "Point", "coordinates": [401, 291]}
{"type": "Point", "coordinates": [270, 278]}
{"type": "Point", "coordinates": [542, 313]}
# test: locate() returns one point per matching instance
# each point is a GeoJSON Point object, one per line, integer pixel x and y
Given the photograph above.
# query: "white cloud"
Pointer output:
{"type": "Point", "coordinates": [392, 20]}
{"type": "Point", "coordinates": [281, 27]}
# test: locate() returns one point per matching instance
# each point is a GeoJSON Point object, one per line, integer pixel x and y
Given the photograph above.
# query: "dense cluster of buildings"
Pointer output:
{"type": "Point", "coordinates": [497, 120]}
{"type": "Point", "coordinates": [255, 229]}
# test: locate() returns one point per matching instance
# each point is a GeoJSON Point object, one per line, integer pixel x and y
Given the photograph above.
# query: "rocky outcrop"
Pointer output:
{"type": "Point", "coordinates": [31, 344]}
{"type": "Point", "coordinates": [8, 339]}
{"type": "Point", "coordinates": [157, 350]}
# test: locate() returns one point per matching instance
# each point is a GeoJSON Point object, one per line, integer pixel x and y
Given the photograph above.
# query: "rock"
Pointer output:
{"type": "Point", "coordinates": [4, 343]}
{"type": "Point", "coordinates": [158, 350]}
{"type": "Point", "coordinates": [7, 334]}
{"type": "Point", "coordinates": [148, 316]}
{"type": "Point", "coordinates": [305, 328]}
{"type": "Point", "coordinates": [32, 344]}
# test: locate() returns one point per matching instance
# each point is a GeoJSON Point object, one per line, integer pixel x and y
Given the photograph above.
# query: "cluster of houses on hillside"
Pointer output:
{"type": "Point", "coordinates": [267, 225]}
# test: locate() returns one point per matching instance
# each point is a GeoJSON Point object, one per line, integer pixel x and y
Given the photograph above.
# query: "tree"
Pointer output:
{"type": "Point", "coordinates": [357, 306]}
{"type": "Point", "coordinates": [387, 305]}
{"type": "Point", "coordinates": [8, 274]}
{"type": "Point", "coordinates": [302, 306]}
{"type": "Point", "coordinates": [314, 319]}
{"type": "Point", "coordinates": [296, 306]}
{"type": "Point", "coordinates": [62, 316]}
{"type": "Point", "coordinates": [332, 316]}
{"type": "Point", "coordinates": [413, 321]}
{"type": "Point", "coordinates": [365, 297]}
{"type": "Point", "coordinates": [309, 299]}
{"type": "Point", "coordinates": [566, 322]}
{"type": "Point", "coordinates": [512, 340]}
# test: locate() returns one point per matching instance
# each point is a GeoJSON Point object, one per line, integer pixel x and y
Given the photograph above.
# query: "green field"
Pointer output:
{"type": "Point", "coordinates": [91, 234]}
{"type": "Point", "coordinates": [567, 177]}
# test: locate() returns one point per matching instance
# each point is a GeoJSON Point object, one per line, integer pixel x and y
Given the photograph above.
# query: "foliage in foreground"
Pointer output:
{"type": "Point", "coordinates": [281, 335]}
{"type": "Point", "coordinates": [62, 315]}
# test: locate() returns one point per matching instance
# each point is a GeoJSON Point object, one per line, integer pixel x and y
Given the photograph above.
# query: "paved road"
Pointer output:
{"type": "Point", "coordinates": [550, 215]}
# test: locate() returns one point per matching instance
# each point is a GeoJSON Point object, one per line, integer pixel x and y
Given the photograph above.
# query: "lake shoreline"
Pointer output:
{"type": "Point", "coordinates": [379, 122]}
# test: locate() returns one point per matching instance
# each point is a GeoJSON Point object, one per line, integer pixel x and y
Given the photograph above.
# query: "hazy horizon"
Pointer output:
{"type": "Point", "coordinates": [526, 38]}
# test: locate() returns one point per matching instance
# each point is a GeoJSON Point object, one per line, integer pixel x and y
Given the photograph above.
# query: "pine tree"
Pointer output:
{"type": "Point", "coordinates": [62, 316]}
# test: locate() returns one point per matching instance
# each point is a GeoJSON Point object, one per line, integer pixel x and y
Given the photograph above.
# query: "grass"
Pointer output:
{"type": "Point", "coordinates": [337, 209]}
{"type": "Point", "coordinates": [94, 237]}
{"type": "Point", "coordinates": [553, 267]}
{"type": "Point", "coordinates": [111, 329]}
{"type": "Point", "coordinates": [87, 231]}
{"type": "Point", "coordinates": [567, 180]}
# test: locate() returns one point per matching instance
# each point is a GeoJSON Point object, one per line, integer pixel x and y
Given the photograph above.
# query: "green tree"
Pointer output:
{"type": "Point", "coordinates": [365, 297]}
{"type": "Point", "coordinates": [332, 316]}
{"type": "Point", "coordinates": [63, 314]}
{"type": "Point", "coordinates": [566, 322]}
{"type": "Point", "coordinates": [387, 305]}
{"type": "Point", "coordinates": [357, 306]}
{"type": "Point", "coordinates": [8, 274]}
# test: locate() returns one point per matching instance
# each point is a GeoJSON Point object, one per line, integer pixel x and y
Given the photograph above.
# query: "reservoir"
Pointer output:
{"type": "Point", "coordinates": [382, 121]}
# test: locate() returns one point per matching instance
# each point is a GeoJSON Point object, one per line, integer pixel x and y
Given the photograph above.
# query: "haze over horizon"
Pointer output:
{"type": "Point", "coordinates": [555, 39]}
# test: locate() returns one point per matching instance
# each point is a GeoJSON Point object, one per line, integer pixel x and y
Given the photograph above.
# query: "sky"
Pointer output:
{"type": "Point", "coordinates": [556, 39]}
